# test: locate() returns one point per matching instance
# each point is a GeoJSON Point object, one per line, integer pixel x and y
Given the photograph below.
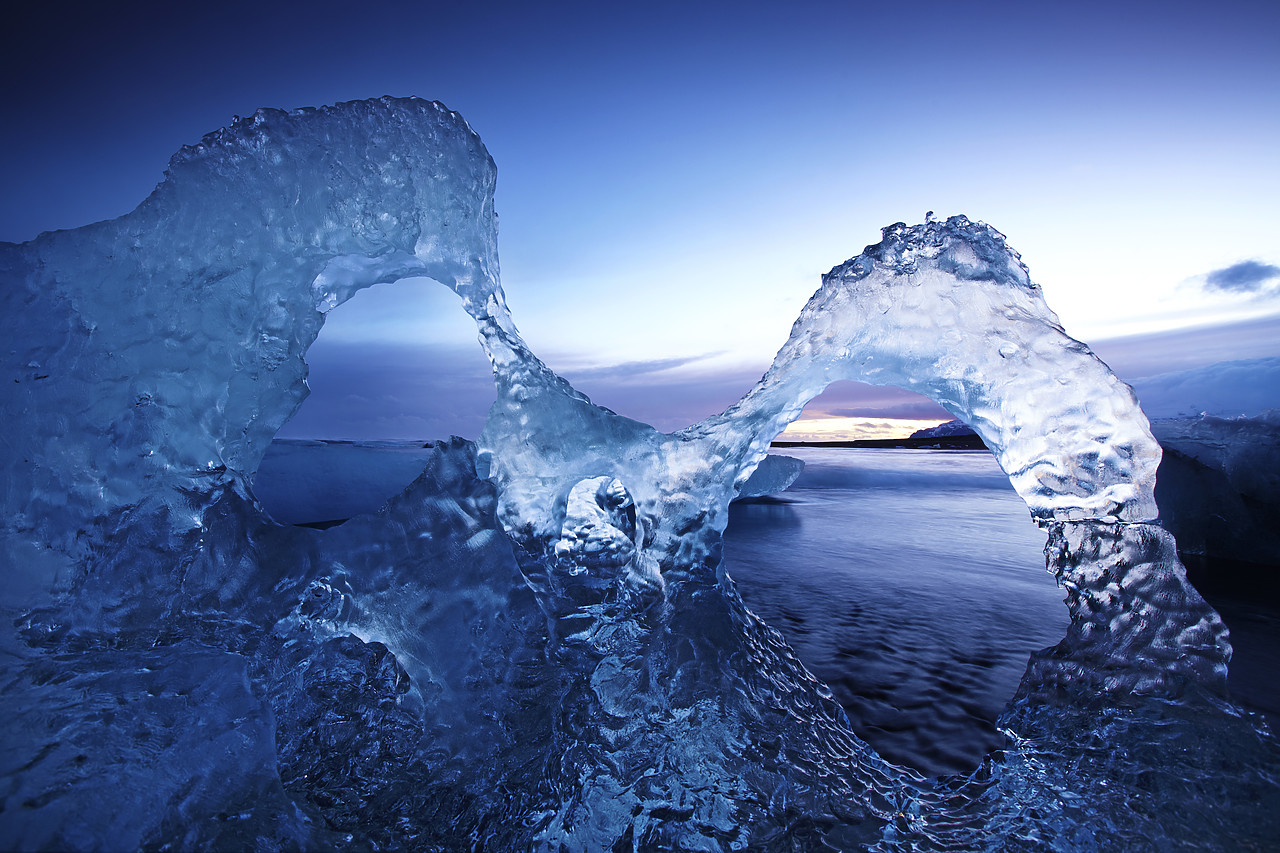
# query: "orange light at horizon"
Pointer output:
{"type": "Point", "coordinates": [836, 428]}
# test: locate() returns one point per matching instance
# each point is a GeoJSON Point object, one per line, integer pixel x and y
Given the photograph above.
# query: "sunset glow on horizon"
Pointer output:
{"type": "Point", "coordinates": [835, 428]}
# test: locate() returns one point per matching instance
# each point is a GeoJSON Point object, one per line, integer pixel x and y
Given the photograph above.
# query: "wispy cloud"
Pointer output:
{"type": "Point", "coordinates": [860, 400]}
{"type": "Point", "coordinates": [1244, 277]}
{"type": "Point", "coordinates": [926, 410]}
{"type": "Point", "coordinates": [631, 369]}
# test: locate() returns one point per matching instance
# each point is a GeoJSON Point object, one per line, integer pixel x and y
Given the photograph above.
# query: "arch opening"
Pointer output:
{"type": "Point", "coordinates": [880, 567]}
{"type": "Point", "coordinates": [395, 368]}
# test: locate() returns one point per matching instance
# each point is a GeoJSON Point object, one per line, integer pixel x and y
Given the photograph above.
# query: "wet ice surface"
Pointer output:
{"type": "Point", "coordinates": [911, 582]}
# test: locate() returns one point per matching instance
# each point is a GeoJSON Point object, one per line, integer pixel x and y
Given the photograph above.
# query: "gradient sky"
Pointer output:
{"type": "Point", "coordinates": [674, 177]}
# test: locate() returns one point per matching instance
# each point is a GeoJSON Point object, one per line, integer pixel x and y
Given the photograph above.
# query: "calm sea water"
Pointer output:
{"type": "Point", "coordinates": [910, 581]}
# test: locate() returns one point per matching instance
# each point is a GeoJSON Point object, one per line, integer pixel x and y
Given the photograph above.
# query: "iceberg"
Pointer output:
{"type": "Point", "coordinates": [536, 645]}
{"type": "Point", "coordinates": [774, 474]}
{"type": "Point", "coordinates": [1224, 389]}
{"type": "Point", "coordinates": [1219, 487]}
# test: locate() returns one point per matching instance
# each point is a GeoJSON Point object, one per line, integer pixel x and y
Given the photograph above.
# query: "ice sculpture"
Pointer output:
{"type": "Point", "coordinates": [535, 645]}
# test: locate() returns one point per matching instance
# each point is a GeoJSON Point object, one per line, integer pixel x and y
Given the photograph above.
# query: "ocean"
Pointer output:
{"type": "Point", "coordinates": [910, 581]}
{"type": "Point", "coordinates": [913, 583]}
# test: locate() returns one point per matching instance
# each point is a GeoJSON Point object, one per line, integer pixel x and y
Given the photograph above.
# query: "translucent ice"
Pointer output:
{"type": "Point", "coordinates": [774, 474]}
{"type": "Point", "coordinates": [535, 645]}
{"type": "Point", "coordinates": [946, 309]}
{"type": "Point", "coordinates": [157, 354]}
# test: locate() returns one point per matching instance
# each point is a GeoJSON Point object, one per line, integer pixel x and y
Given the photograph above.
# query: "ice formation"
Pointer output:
{"type": "Point", "coordinates": [535, 646]}
{"type": "Point", "coordinates": [1226, 389]}
{"type": "Point", "coordinates": [1219, 486]}
{"type": "Point", "coordinates": [774, 474]}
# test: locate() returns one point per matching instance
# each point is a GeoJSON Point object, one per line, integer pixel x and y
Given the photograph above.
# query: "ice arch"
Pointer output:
{"type": "Point", "coordinates": [161, 351]}
{"type": "Point", "coordinates": [264, 225]}
{"type": "Point", "coordinates": [948, 311]}
{"type": "Point", "coordinates": [226, 268]}
{"type": "Point", "coordinates": [153, 357]}
{"type": "Point", "coordinates": [945, 309]}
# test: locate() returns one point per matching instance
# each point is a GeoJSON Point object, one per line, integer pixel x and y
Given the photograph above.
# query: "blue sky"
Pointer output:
{"type": "Point", "coordinates": [674, 177]}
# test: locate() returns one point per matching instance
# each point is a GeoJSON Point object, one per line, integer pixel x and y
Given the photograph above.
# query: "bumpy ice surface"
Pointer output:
{"type": "Point", "coordinates": [534, 646]}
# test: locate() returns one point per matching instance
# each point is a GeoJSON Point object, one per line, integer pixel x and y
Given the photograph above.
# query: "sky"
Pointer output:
{"type": "Point", "coordinates": [674, 178]}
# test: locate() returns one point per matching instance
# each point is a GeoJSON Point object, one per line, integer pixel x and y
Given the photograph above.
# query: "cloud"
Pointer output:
{"type": "Point", "coordinates": [923, 410]}
{"type": "Point", "coordinates": [631, 369]}
{"type": "Point", "coordinates": [363, 391]}
{"type": "Point", "coordinates": [824, 428]}
{"type": "Point", "coordinates": [668, 403]}
{"type": "Point", "coordinates": [672, 403]}
{"type": "Point", "coordinates": [1244, 277]}
{"type": "Point", "coordinates": [859, 400]}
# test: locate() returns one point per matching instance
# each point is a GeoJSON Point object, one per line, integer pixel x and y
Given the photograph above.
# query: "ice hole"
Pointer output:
{"type": "Point", "coordinates": [395, 368]}
{"type": "Point", "coordinates": [912, 582]}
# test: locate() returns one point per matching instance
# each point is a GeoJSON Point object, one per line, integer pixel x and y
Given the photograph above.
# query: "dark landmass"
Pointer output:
{"type": "Point", "coordinates": [948, 442]}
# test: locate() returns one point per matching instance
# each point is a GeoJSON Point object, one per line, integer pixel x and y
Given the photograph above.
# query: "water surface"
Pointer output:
{"type": "Point", "coordinates": [910, 581]}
